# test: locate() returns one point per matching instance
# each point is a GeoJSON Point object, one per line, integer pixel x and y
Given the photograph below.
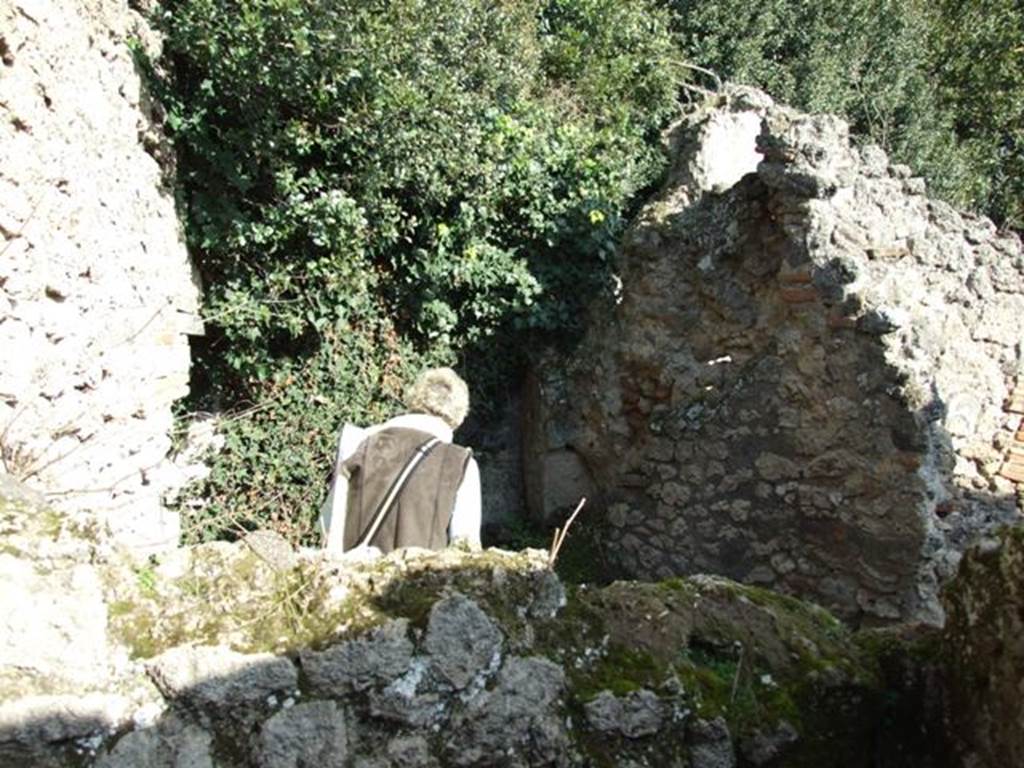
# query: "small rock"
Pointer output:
{"type": "Point", "coordinates": [310, 734]}
{"type": "Point", "coordinates": [273, 549]}
{"type": "Point", "coordinates": [461, 640]}
{"type": "Point", "coordinates": [410, 752]}
{"type": "Point", "coordinates": [915, 186]}
{"type": "Point", "coordinates": [355, 665]}
{"type": "Point", "coordinates": [148, 715]}
{"type": "Point", "coordinates": [711, 744]}
{"type": "Point", "coordinates": [764, 746]}
{"type": "Point", "coordinates": [989, 546]}
{"type": "Point", "coordinates": [881, 321]}
{"type": "Point", "coordinates": [215, 677]}
{"type": "Point", "coordinates": [639, 713]}
{"type": "Point", "coordinates": [874, 159]}
{"type": "Point", "coordinates": [549, 595]}
{"type": "Point", "coordinates": [172, 744]}
{"type": "Point", "coordinates": [401, 703]}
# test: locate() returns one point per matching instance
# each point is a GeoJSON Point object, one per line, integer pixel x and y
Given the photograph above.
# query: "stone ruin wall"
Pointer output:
{"type": "Point", "coordinates": [254, 654]}
{"type": "Point", "coordinates": [251, 653]}
{"type": "Point", "coordinates": [96, 290]}
{"type": "Point", "coordinates": [807, 382]}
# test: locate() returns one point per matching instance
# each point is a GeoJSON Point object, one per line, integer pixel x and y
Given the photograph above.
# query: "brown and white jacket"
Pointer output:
{"type": "Point", "coordinates": [438, 504]}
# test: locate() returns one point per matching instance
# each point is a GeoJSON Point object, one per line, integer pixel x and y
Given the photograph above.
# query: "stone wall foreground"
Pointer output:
{"type": "Point", "coordinates": [96, 289]}
{"type": "Point", "coordinates": [811, 379]}
{"type": "Point", "coordinates": [252, 655]}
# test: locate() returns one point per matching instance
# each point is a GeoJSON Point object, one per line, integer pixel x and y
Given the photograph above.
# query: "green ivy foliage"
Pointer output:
{"type": "Point", "coordinates": [374, 185]}
{"type": "Point", "coordinates": [938, 85]}
{"type": "Point", "coordinates": [977, 54]}
{"type": "Point", "coordinates": [370, 186]}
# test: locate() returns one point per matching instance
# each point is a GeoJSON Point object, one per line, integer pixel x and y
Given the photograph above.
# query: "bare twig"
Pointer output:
{"type": "Point", "coordinates": [33, 470]}
{"type": "Point", "coordinates": [701, 70]}
{"type": "Point", "coordinates": [142, 328]}
{"type": "Point", "coordinates": [14, 418]}
{"type": "Point", "coordinates": [28, 220]}
{"type": "Point", "coordinates": [736, 677]}
{"type": "Point", "coordinates": [703, 92]}
{"type": "Point", "coordinates": [559, 539]}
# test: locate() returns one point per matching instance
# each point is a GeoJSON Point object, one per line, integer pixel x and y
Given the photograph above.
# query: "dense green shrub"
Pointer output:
{"type": "Point", "coordinates": [375, 185]}
{"type": "Point", "coordinates": [977, 55]}
{"type": "Point", "coordinates": [938, 85]}
{"type": "Point", "coordinates": [442, 176]}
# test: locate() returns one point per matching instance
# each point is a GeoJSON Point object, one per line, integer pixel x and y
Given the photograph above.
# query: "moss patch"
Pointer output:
{"type": "Point", "coordinates": [983, 648]}
{"type": "Point", "coordinates": [227, 594]}
{"type": "Point", "coordinates": [719, 648]}
{"type": "Point", "coordinates": [620, 670]}
{"type": "Point", "coordinates": [705, 646]}
{"type": "Point", "coordinates": [220, 598]}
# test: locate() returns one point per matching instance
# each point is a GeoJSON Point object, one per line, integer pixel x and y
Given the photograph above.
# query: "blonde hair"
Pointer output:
{"type": "Point", "coordinates": [440, 392]}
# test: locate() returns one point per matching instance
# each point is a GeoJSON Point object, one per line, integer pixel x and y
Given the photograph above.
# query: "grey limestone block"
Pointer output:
{"type": "Point", "coordinates": [461, 639]}
{"type": "Point", "coordinates": [304, 736]}
{"type": "Point", "coordinates": [411, 751]}
{"type": "Point", "coordinates": [220, 679]}
{"type": "Point", "coordinates": [517, 723]}
{"type": "Point", "coordinates": [410, 699]}
{"type": "Point", "coordinates": [639, 713]}
{"type": "Point", "coordinates": [711, 744]}
{"type": "Point", "coordinates": [172, 744]}
{"type": "Point", "coordinates": [376, 659]}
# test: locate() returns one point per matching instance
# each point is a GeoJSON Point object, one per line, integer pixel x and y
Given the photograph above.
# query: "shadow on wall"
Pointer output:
{"type": "Point", "coordinates": [862, 512]}
{"type": "Point", "coordinates": [420, 659]}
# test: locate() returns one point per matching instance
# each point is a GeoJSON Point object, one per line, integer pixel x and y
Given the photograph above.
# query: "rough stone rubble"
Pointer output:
{"type": "Point", "coordinates": [812, 381]}
{"type": "Point", "coordinates": [96, 290]}
{"type": "Point", "coordinates": [248, 654]}
{"type": "Point", "coordinates": [807, 380]}
{"type": "Point", "coordinates": [985, 648]}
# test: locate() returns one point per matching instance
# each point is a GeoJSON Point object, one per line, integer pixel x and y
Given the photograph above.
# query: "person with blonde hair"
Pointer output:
{"type": "Point", "coordinates": [403, 483]}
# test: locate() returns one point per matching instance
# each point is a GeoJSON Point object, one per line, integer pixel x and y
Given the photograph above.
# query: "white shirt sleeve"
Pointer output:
{"type": "Point", "coordinates": [465, 523]}
{"type": "Point", "coordinates": [332, 513]}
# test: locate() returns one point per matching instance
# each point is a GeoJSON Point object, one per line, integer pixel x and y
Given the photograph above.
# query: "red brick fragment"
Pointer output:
{"type": "Point", "coordinates": [798, 294]}
{"type": "Point", "coordinates": [1013, 472]}
{"type": "Point", "coordinates": [801, 277]}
